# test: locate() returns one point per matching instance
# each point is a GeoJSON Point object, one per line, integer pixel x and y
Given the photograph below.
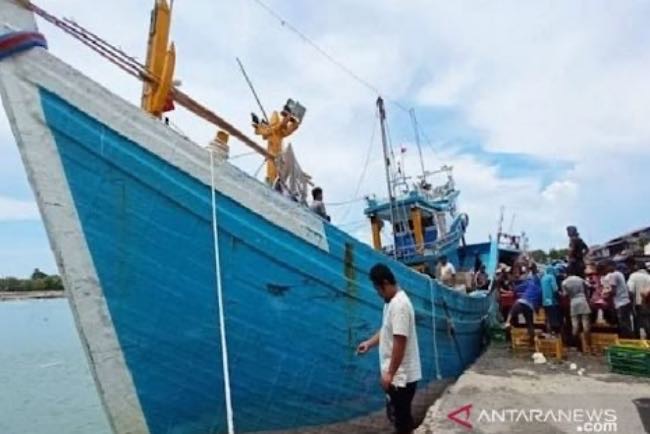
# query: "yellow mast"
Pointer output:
{"type": "Point", "coordinates": [416, 218]}
{"type": "Point", "coordinates": [161, 61]}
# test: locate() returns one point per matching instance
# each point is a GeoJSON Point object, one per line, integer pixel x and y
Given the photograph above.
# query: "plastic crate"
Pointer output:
{"type": "Point", "coordinates": [600, 342]}
{"type": "Point", "coordinates": [629, 360]}
{"type": "Point", "coordinates": [550, 346]}
{"type": "Point", "coordinates": [634, 343]}
{"type": "Point", "coordinates": [497, 334]}
{"type": "Point", "coordinates": [520, 339]}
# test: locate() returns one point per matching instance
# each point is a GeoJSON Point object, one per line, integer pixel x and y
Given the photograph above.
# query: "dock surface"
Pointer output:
{"type": "Point", "coordinates": [507, 393]}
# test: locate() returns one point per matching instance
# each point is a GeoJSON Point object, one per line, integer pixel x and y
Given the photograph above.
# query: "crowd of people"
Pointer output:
{"type": "Point", "coordinates": [575, 295]}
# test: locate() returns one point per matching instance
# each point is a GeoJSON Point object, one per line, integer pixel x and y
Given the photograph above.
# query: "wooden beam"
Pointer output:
{"type": "Point", "coordinates": [201, 111]}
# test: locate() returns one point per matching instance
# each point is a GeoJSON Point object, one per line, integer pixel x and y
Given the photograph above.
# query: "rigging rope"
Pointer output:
{"type": "Point", "coordinates": [345, 202]}
{"type": "Point", "coordinates": [365, 164]}
{"type": "Point", "coordinates": [365, 83]}
{"type": "Point", "coordinates": [222, 322]}
{"type": "Point", "coordinates": [433, 320]}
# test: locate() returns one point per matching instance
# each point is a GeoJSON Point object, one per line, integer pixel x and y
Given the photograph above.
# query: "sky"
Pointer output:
{"type": "Point", "coordinates": [541, 107]}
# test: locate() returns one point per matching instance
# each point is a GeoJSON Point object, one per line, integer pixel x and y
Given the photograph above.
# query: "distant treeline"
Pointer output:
{"type": "Point", "coordinates": [542, 257]}
{"type": "Point", "coordinates": [38, 281]}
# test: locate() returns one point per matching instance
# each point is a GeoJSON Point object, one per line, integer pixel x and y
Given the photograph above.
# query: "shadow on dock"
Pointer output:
{"type": "Point", "coordinates": [377, 423]}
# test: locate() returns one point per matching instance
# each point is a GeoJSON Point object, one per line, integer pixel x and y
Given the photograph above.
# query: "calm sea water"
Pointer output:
{"type": "Point", "coordinates": [45, 384]}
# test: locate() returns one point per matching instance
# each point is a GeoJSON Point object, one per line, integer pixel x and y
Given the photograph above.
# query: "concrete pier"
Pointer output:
{"type": "Point", "coordinates": [507, 393]}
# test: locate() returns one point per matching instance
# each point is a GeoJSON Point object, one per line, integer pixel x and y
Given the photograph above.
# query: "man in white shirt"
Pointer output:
{"type": "Point", "coordinates": [399, 355]}
{"type": "Point", "coordinates": [447, 272]}
{"type": "Point", "coordinates": [617, 285]}
{"type": "Point", "coordinates": [639, 285]}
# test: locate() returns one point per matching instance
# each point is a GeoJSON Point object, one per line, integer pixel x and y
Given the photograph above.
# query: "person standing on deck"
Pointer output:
{"type": "Point", "coordinates": [577, 251]}
{"type": "Point", "coordinates": [317, 204]}
{"type": "Point", "coordinates": [399, 355]}
{"type": "Point", "coordinates": [447, 272]}
{"type": "Point", "coordinates": [622, 303]}
{"type": "Point", "coordinates": [639, 284]}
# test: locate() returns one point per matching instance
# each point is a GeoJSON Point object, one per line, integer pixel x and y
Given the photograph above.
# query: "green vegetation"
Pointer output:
{"type": "Point", "coordinates": [38, 281]}
{"type": "Point", "coordinates": [542, 257]}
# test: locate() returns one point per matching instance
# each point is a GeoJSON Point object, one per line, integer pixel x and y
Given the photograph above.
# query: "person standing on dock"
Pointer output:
{"type": "Point", "coordinates": [317, 204]}
{"type": "Point", "coordinates": [622, 303]}
{"type": "Point", "coordinates": [551, 301]}
{"type": "Point", "coordinates": [576, 288]}
{"type": "Point", "coordinates": [399, 355]}
{"type": "Point", "coordinates": [639, 285]}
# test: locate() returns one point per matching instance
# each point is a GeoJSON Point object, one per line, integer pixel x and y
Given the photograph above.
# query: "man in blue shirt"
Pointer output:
{"type": "Point", "coordinates": [529, 301]}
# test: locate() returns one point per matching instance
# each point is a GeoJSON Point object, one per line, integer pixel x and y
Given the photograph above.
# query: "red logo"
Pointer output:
{"type": "Point", "coordinates": [461, 420]}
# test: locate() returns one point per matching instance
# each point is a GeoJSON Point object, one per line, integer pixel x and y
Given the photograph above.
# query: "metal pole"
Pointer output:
{"type": "Point", "coordinates": [250, 85]}
{"type": "Point", "coordinates": [384, 142]}
{"type": "Point", "coordinates": [414, 121]}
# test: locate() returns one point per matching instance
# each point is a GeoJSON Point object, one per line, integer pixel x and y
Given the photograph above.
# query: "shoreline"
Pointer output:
{"type": "Point", "coordinates": [28, 295]}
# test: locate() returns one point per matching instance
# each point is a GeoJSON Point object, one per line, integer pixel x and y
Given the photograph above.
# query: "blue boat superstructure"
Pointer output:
{"type": "Point", "coordinates": [420, 210]}
{"type": "Point", "coordinates": [126, 204]}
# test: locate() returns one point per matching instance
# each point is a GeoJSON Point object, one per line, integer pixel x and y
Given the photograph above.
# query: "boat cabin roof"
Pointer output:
{"type": "Point", "coordinates": [414, 199]}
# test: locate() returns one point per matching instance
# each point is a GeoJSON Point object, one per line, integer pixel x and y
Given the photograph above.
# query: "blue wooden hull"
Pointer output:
{"type": "Point", "coordinates": [127, 209]}
{"type": "Point", "coordinates": [294, 312]}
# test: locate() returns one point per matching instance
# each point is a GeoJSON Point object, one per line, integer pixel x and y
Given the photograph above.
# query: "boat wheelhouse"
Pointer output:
{"type": "Point", "coordinates": [426, 222]}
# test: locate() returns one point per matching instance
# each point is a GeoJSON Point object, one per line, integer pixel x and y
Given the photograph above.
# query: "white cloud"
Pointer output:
{"type": "Point", "coordinates": [449, 88]}
{"type": "Point", "coordinates": [551, 80]}
{"type": "Point", "coordinates": [14, 209]}
{"type": "Point", "coordinates": [560, 192]}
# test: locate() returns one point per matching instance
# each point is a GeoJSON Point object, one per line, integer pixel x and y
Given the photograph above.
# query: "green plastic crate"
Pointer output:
{"type": "Point", "coordinates": [497, 334]}
{"type": "Point", "coordinates": [629, 361]}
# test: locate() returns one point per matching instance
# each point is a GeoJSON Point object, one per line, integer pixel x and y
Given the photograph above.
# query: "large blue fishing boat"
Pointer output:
{"type": "Point", "coordinates": [201, 294]}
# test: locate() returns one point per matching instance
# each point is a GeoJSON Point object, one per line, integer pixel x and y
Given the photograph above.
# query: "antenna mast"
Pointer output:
{"type": "Point", "coordinates": [384, 142]}
{"type": "Point", "coordinates": [414, 121]}
{"type": "Point", "coordinates": [252, 88]}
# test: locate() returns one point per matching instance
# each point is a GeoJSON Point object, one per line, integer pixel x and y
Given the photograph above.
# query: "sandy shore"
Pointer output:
{"type": "Point", "coordinates": [25, 295]}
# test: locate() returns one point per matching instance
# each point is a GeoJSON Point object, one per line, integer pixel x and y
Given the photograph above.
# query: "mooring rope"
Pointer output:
{"type": "Point", "coordinates": [433, 320]}
{"type": "Point", "coordinates": [222, 322]}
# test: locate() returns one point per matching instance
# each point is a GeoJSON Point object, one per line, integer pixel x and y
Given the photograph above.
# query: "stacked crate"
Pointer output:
{"type": "Point", "coordinates": [600, 342]}
{"type": "Point", "coordinates": [520, 339]}
{"type": "Point", "coordinates": [550, 346]}
{"type": "Point", "coordinates": [629, 360]}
